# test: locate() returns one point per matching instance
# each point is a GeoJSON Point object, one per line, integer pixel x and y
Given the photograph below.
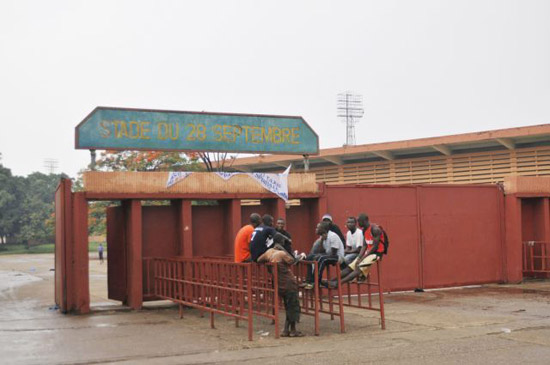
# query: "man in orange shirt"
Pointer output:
{"type": "Point", "coordinates": [242, 240]}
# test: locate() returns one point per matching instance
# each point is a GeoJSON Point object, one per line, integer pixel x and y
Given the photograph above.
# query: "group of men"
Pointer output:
{"type": "Point", "coordinates": [260, 242]}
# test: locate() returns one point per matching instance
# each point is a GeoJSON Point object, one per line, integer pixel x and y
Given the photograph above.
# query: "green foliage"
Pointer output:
{"type": "Point", "coordinates": [37, 220]}
{"type": "Point", "coordinates": [147, 161]}
{"type": "Point", "coordinates": [27, 207]}
{"type": "Point", "coordinates": [133, 161]}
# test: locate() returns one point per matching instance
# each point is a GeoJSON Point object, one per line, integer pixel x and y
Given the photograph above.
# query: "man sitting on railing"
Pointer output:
{"type": "Point", "coordinates": [262, 237]}
{"type": "Point", "coordinates": [243, 238]}
{"type": "Point", "coordinates": [327, 250]}
{"type": "Point", "coordinates": [288, 287]}
{"type": "Point", "coordinates": [370, 253]}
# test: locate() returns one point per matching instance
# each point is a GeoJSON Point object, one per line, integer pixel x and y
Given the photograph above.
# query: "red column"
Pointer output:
{"type": "Point", "coordinates": [134, 250]}
{"type": "Point", "coordinates": [234, 223]}
{"type": "Point", "coordinates": [514, 247]}
{"type": "Point", "coordinates": [185, 228]}
{"type": "Point", "coordinates": [80, 261]}
{"type": "Point", "coordinates": [280, 210]}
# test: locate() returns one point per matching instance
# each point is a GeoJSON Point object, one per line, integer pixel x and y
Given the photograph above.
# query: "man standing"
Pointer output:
{"type": "Point", "coordinates": [288, 287]}
{"type": "Point", "coordinates": [333, 227]}
{"type": "Point", "coordinates": [243, 238]}
{"type": "Point", "coordinates": [280, 228]}
{"type": "Point", "coordinates": [354, 241]}
{"type": "Point", "coordinates": [100, 252]}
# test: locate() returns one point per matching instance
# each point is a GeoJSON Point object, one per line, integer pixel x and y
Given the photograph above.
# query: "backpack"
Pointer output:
{"type": "Point", "coordinates": [386, 239]}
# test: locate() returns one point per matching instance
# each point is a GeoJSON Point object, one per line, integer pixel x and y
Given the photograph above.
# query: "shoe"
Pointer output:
{"type": "Point", "coordinates": [308, 286]}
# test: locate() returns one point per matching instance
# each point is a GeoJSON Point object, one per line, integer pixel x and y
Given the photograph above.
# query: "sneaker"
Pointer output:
{"type": "Point", "coordinates": [308, 286]}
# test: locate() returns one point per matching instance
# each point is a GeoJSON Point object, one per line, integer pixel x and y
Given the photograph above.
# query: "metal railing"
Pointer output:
{"type": "Point", "coordinates": [358, 286]}
{"type": "Point", "coordinates": [231, 289]}
{"type": "Point", "coordinates": [536, 258]}
{"type": "Point", "coordinates": [219, 286]}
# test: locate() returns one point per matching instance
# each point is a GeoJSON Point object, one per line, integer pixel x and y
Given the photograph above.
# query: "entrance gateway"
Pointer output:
{"type": "Point", "coordinates": [429, 248]}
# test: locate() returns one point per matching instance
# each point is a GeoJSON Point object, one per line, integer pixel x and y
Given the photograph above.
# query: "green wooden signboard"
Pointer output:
{"type": "Point", "coordinates": [139, 129]}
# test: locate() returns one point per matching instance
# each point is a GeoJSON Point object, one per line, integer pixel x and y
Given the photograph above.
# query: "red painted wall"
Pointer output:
{"type": "Point", "coordinates": [396, 210]}
{"type": "Point", "coordinates": [209, 227]}
{"type": "Point", "coordinates": [461, 235]}
{"type": "Point", "coordinates": [439, 235]}
{"type": "Point", "coordinates": [160, 235]}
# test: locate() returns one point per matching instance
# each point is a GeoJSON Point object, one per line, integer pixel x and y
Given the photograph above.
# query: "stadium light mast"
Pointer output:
{"type": "Point", "coordinates": [349, 108]}
{"type": "Point", "coordinates": [51, 165]}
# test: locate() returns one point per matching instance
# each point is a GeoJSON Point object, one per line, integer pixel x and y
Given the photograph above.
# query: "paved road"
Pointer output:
{"type": "Point", "coordinates": [491, 324]}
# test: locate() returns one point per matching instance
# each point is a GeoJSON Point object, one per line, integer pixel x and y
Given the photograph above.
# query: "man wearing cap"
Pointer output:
{"type": "Point", "coordinates": [333, 227]}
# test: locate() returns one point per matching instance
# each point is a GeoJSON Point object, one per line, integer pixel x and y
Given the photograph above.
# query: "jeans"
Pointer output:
{"type": "Point", "coordinates": [323, 261]}
{"type": "Point", "coordinates": [348, 259]}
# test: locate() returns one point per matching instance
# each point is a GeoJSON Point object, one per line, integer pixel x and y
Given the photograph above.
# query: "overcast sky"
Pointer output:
{"type": "Point", "coordinates": [424, 68]}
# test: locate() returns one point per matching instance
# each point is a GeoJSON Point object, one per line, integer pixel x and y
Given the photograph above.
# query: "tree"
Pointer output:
{"type": "Point", "coordinates": [37, 208]}
{"type": "Point", "coordinates": [10, 202]}
{"type": "Point", "coordinates": [146, 161]}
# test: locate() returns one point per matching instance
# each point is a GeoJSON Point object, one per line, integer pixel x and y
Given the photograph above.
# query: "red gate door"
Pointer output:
{"type": "Point", "coordinates": [116, 251]}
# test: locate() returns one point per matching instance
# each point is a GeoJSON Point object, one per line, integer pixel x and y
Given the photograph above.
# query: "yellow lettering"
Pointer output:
{"type": "Point", "coordinates": [106, 132]}
{"type": "Point", "coordinates": [217, 129]}
{"type": "Point", "coordinates": [276, 135]}
{"type": "Point", "coordinates": [162, 131]}
{"type": "Point", "coordinates": [144, 130]}
{"type": "Point", "coordinates": [174, 131]}
{"type": "Point", "coordinates": [238, 131]}
{"type": "Point", "coordinates": [117, 129]}
{"type": "Point", "coordinates": [201, 132]}
{"type": "Point", "coordinates": [295, 135]}
{"type": "Point", "coordinates": [190, 136]}
{"type": "Point", "coordinates": [256, 134]}
{"type": "Point", "coordinates": [266, 137]}
{"type": "Point", "coordinates": [246, 128]}
{"type": "Point", "coordinates": [134, 130]}
{"type": "Point", "coordinates": [228, 133]}
{"type": "Point", "coordinates": [286, 135]}
{"type": "Point", "coordinates": [123, 129]}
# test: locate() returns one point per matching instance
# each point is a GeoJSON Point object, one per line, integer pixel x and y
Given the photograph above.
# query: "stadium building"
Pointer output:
{"type": "Point", "coordinates": [481, 157]}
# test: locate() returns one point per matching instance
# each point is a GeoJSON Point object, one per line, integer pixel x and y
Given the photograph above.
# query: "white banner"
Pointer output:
{"type": "Point", "coordinates": [276, 183]}
{"type": "Point", "coordinates": [174, 177]}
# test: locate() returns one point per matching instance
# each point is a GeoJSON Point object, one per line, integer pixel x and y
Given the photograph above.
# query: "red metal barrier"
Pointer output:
{"type": "Point", "coordinates": [222, 287]}
{"type": "Point", "coordinates": [368, 284]}
{"type": "Point", "coordinates": [236, 290]}
{"type": "Point", "coordinates": [536, 258]}
{"type": "Point", "coordinates": [314, 302]}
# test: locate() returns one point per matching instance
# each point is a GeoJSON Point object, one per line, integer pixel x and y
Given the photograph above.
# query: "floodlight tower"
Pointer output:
{"type": "Point", "coordinates": [51, 164]}
{"type": "Point", "coordinates": [349, 108]}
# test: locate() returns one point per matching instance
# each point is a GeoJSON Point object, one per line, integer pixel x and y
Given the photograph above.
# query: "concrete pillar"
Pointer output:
{"type": "Point", "coordinates": [513, 251]}
{"type": "Point", "coordinates": [185, 228]}
{"type": "Point", "coordinates": [280, 210]}
{"type": "Point", "coordinates": [80, 261]}
{"type": "Point", "coordinates": [234, 220]}
{"type": "Point", "coordinates": [134, 250]}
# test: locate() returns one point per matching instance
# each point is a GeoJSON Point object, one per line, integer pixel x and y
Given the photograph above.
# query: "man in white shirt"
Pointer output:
{"type": "Point", "coordinates": [331, 252]}
{"type": "Point", "coordinates": [354, 241]}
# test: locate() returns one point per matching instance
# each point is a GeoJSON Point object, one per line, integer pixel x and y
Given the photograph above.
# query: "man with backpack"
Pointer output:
{"type": "Point", "coordinates": [376, 245]}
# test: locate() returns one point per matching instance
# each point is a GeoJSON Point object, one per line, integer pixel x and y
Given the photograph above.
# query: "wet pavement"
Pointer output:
{"type": "Point", "coordinates": [490, 324]}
